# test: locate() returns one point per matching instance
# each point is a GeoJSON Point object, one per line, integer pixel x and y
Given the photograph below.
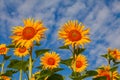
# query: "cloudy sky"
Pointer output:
{"type": "Point", "coordinates": [101, 16]}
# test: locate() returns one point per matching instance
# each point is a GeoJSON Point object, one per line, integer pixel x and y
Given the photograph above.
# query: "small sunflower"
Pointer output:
{"type": "Point", "coordinates": [21, 51]}
{"type": "Point", "coordinates": [4, 78]}
{"type": "Point", "coordinates": [3, 49]}
{"type": "Point", "coordinates": [115, 53]}
{"type": "Point", "coordinates": [50, 60]}
{"type": "Point", "coordinates": [105, 71]}
{"type": "Point", "coordinates": [74, 33]}
{"type": "Point", "coordinates": [27, 34]}
{"type": "Point", "coordinates": [80, 63]}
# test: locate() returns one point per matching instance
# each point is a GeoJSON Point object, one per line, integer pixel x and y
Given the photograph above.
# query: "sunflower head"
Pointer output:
{"type": "Point", "coordinates": [80, 63]}
{"type": "Point", "coordinates": [27, 34]}
{"type": "Point", "coordinates": [105, 71]}
{"type": "Point", "coordinates": [50, 60]}
{"type": "Point", "coordinates": [4, 78]}
{"type": "Point", "coordinates": [73, 32]}
{"type": "Point", "coordinates": [115, 53]}
{"type": "Point", "coordinates": [21, 51]}
{"type": "Point", "coordinates": [3, 49]}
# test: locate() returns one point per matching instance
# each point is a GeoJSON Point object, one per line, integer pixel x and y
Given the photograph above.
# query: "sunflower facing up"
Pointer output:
{"type": "Point", "coordinates": [115, 53]}
{"type": "Point", "coordinates": [105, 71]}
{"type": "Point", "coordinates": [4, 78]}
{"type": "Point", "coordinates": [74, 33]}
{"type": "Point", "coordinates": [3, 49]}
{"type": "Point", "coordinates": [21, 51]}
{"type": "Point", "coordinates": [80, 63]}
{"type": "Point", "coordinates": [27, 34]}
{"type": "Point", "coordinates": [50, 60]}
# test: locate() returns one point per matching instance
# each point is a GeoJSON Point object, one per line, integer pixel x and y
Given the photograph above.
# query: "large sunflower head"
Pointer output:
{"type": "Point", "coordinates": [80, 63]}
{"type": "Point", "coordinates": [73, 32]}
{"type": "Point", "coordinates": [115, 53]}
{"type": "Point", "coordinates": [27, 34]}
{"type": "Point", "coordinates": [105, 71]}
{"type": "Point", "coordinates": [50, 60]}
{"type": "Point", "coordinates": [21, 51]}
{"type": "Point", "coordinates": [3, 49]}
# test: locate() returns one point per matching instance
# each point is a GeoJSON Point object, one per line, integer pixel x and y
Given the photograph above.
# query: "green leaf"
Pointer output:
{"type": "Point", "coordinates": [57, 69]}
{"type": "Point", "coordinates": [41, 51]}
{"type": "Point", "coordinates": [66, 62]}
{"type": "Point", "coordinates": [89, 74]}
{"type": "Point", "coordinates": [37, 44]}
{"type": "Point", "coordinates": [79, 50]}
{"type": "Point", "coordinates": [114, 68]}
{"type": "Point", "coordinates": [104, 55]}
{"type": "Point", "coordinates": [116, 63]}
{"type": "Point", "coordinates": [17, 64]}
{"type": "Point", "coordinates": [11, 46]}
{"type": "Point", "coordinates": [100, 78]}
{"type": "Point", "coordinates": [7, 57]}
{"type": "Point", "coordinates": [64, 47]}
{"type": "Point", "coordinates": [45, 73]}
{"type": "Point", "coordinates": [55, 77]}
{"type": "Point", "coordinates": [10, 73]}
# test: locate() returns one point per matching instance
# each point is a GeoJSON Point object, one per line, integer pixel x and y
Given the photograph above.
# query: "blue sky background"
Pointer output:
{"type": "Point", "coordinates": [101, 16]}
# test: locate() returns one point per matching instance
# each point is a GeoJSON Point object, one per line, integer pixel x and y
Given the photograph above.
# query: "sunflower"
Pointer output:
{"type": "Point", "coordinates": [3, 49]}
{"type": "Point", "coordinates": [115, 53]}
{"type": "Point", "coordinates": [80, 63]}
{"type": "Point", "coordinates": [105, 71]}
{"type": "Point", "coordinates": [73, 32]}
{"type": "Point", "coordinates": [21, 51]}
{"type": "Point", "coordinates": [4, 78]}
{"type": "Point", "coordinates": [27, 34]}
{"type": "Point", "coordinates": [50, 60]}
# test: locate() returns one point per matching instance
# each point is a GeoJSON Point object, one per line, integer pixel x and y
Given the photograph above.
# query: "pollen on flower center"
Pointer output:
{"type": "Point", "coordinates": [22, 49]}
{"type": "Point", "coordinates": [28, 33]}
{"type": "Point", "coordinates": [51, 61]}
{"type": "Point", "coordinates": [74, 35]}
{"type": "Point", "coordinates": [78, 64]}
{"type": "Point", "coordinates": [2, 50]}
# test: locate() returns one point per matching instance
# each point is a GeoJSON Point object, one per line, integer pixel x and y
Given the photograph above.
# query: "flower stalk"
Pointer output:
{"type": "Point", "coordinates": [30, 63]}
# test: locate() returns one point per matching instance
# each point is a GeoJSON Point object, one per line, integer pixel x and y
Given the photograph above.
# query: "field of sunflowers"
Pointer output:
{"type": "Point", "coordinates": [74, 35]}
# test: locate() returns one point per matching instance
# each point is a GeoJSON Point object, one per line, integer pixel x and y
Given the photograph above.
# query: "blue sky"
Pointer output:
{"type": "Point", "coordinates": [101, 16]}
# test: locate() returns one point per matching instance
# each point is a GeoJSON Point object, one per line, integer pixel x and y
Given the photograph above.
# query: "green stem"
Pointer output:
{"type": "Point", "coordinates": [2, 66]}
{"type": "Point", "coordinates": [20, 78]}
{"type": "Point", "coordinates": [30, 64]}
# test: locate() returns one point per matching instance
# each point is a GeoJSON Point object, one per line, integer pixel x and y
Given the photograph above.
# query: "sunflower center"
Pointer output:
{"type": "Point", "coordinates": [28, 33]}
{"type": "Point", "coordinates": [78, 64]}
{"type": "Point", "coordinates": [2, 50]}
{"type": "Point", "coordinates": [74, 35]}
{"type": "Point", "coordinates": [22, 49]}
{"type": "Point", "coordinates": [51, 61]}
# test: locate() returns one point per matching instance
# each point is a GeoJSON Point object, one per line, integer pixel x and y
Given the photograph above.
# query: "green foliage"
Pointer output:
{"type": "Point", "coordinates": [10, 73]}
{"type": "Point", "coordinates": [37, 44]}
{"type": "Point", "coordinates": [79, 50]}
{"type": "Point", "coordinates": [55, 77]}
{"type": "Point", "coordinates": [114, 68]}
{"type": "Point", "coordinates": [18, 64]}
{"type": "Point", "coordinates": [7, 57]}
{"type": "Point", "coordinates": [64, 47]}
{"type": "Point", "coordinates": [89, 74]}
{"type": "Point", "coordinates": [41, 51]}
{"type": "Point", "coordinates": [66, 62]}
{"type": "Point", "coordinates": [100, 78]}
{"type": "Point", "coordinates": [11, 46]}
